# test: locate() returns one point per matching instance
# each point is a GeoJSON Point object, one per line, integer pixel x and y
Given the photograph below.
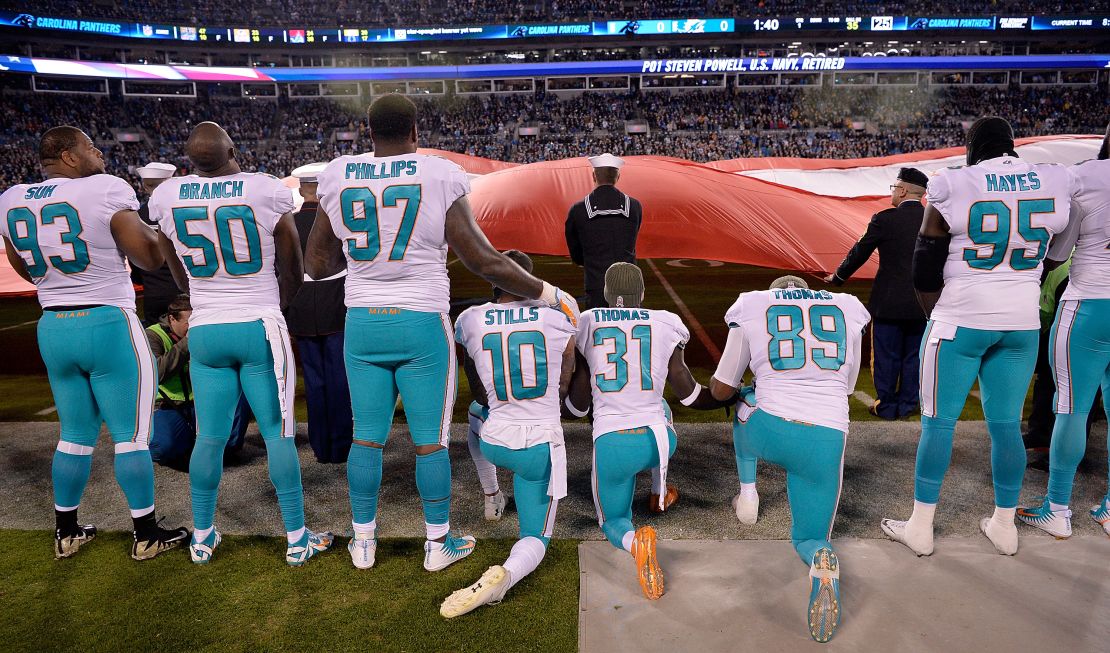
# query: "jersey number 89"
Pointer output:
{"type": "Point", "coordinates": [785, 323]}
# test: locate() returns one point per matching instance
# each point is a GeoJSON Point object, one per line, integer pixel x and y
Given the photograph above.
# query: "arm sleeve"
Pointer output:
{"type": "Point", "coordinates": [862, 250]}
{"type": "Point", "coordinates": [283, 198]}
{"type": "Point", "coordinates": [855, 344]}
{"type": "Point", "coordinates": [735, 359]}
{"type": "Point", "coordinates": [937, 193]}
{"type": "Point", "coordinates": [119, 196]}
{"type": "Point", "coordinates": [1064, 242]}
{"type": "Point", "coordinates": [457, 183]}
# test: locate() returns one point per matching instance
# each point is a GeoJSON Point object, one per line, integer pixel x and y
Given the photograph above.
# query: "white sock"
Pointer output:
{"type": "Point", "coordinates": [627, 540]}
{"type": "Point", "coordinates": [487, 472]}
{"type": "Point", "coordinates": [436, 531]}
{"type": "Point", "coordinates": [1107, 501]}
{"type": "Point", "coordinates": [922, 516]}
{"type": "Point", "coordinates": [1004, 516]}
{"type": "Point", "coordinates": [657, 482]}
{"type": "Point", "coordinates": [201, 534]}
{"type": "Point", "coordinates": [1057, 507]}
{"type": "Point", "coordinates": [365, 531]}
{"type": "Point", "coordinates": [525, 556]}
{"type": "Point", "coordinates": [747, 490]}
{"type": "Point", "coordinates": [295, 536]}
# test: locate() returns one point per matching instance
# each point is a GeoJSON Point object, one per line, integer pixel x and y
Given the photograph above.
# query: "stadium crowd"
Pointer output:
{"type": "Point", "coordinates": [276, 137]}
{"type": "Point", "coordinates": [288, 13]}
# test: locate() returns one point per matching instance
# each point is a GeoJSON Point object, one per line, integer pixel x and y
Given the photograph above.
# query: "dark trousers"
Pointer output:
{"type": "Point", "coordinates": [174, 432]}
{"type": "Point", "coordinates": [596, 299]}
{"type": "Point", "coordinates": [330, 425]}
{"type": "Point", "coordinates": [894, 352]}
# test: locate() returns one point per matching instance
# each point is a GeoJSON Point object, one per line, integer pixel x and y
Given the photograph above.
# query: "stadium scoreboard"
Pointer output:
{"type": "Point", "coordinates": [30, 20]}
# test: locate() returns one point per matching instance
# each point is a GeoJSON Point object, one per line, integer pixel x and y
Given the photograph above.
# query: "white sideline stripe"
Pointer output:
{"type": "Point", "coordinates": [47, 411]}
{"type": "Point", "coordinates": [863, 397]}
{"type": "Point", "coordinates": [16, 326]}
{"type": "Point", "coordinates": [695, 326]}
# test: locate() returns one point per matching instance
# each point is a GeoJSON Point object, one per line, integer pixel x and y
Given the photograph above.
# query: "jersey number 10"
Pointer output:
{"type": "Point", "coordinates": [494, 343]}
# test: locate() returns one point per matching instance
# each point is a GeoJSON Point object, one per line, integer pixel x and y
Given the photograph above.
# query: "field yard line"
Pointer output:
{"type": "Point", "coordinates": [47, 411]}
{"type": "Point", "coordinates": [690, 319]}
{"type": "Point", "coordinates": [863, 397]}
{"type": "Point", "coordinates": [16, 326]}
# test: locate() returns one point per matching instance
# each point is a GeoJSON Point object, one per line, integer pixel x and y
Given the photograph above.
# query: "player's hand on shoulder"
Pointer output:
{"type": "Point", "coordinates": [561, 301]}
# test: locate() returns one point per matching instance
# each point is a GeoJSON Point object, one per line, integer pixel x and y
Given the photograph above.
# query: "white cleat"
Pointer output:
{"type": "Point", "coordinates": [747, 510]}
{"type": "Point", "coordinates": [1056, 523]}
{"type": "Point", "coordinates": [1004, 537]}
{"type": "Point", "coordinates": [919, 542]}
{"type": "Point", "coordinates": [439, 555]}
{"type": "Point", "coordinates": [362, 551]}
{"type": "Point", "coordinates": [201, 552]}
{"type": "Point", "coordinates": [489, 590]}
{"type": "Point", "coordinates": [494, 505]}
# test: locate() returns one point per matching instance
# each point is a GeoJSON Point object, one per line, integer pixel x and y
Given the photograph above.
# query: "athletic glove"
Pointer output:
{"type": "Point", "coordinates": [555, 298]}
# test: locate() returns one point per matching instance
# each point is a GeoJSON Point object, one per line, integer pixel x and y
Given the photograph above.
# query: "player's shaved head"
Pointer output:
{"type": "Point", "coordinates": [391, 118]}
{"type": "Point", "coordinates": [57, 140]}
{"type": "Point", "coordinates": [209, 147]}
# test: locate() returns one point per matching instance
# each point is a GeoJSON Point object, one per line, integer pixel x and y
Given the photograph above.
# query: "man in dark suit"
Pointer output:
{"type": "Point", "coordinates": [898, 321]}
{"type": "Point", "coordinates": [316, 319]}
{"type": "Point", "coordinates": [602, 229]}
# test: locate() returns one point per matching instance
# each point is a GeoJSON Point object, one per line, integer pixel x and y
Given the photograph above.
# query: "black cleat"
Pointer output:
{"type": "Point", "coordinates": [67, 544]}
{"type": "Point", "coordinates": [157, 541]}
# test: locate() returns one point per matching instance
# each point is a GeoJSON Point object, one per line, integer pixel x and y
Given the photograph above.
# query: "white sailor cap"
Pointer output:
{"type": "Point", "coordinates": [606, 161]}
{"type": "Point", "coordinates": [156, 170]}
{"type": "Point", "coordinates": [308, 173]}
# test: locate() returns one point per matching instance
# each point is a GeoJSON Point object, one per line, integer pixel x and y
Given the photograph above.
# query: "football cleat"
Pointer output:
{"type": "Point", "coordinates": [919, 543]}
{"type": "Point", "coordinates": [648, 571]}
{"type": "Point", "coordinates": [362, 551]}
{"type": "Point", "coordinates": [66, 545]}
{"type": "Point", "coordinates": [201, 552]}
{"type": "Point", "coordinates": [494, 506]}
{"type": "Point", "coordinates": [668, 500]}
{"type": "Point", "coordinates": [1101, 514]}
{"type": "Point", "coordinates": [163, 540]}
{"type": "Point", "coordinates": [747, 510]}
{"type": "Point", "coordinates": [1003, 536]}
{"type": "Point", "coordinates": [310, 544]}
{"type": "Point", "coordinates": [1055, 523]}
{"type": "Point", "coordinates": [489, 590]}
{"type": "Point", "coordinates": [824, 595]}
{"type": "Point", "coordinates": [439, 555]}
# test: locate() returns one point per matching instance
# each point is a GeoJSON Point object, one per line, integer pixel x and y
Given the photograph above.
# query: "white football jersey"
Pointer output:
{"type": "Point", "coordinates": [517, 349]}
{"type": "Point", "coordinates": [222, 229]}
{"type": "Point", "coordinates": [805, 351]}
{"type": "Point", "coordinates": [628, 351]}
{"type": "Point", "coordinates": [1088, 232]}
{"type": "Point", "coordinates": [1001, 214]}
{"type": "Point", "coordinates": [389, 214]}
{"type": "Point", "coordinates": [62, 229]}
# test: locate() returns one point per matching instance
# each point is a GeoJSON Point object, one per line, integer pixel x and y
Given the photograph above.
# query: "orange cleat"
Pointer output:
{"type": "Point", "coordinates": [647, 563]}
{"type": "Point", "coordinates": [668, 501]}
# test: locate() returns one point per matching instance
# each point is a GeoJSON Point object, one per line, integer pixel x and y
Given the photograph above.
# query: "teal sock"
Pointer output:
{"type": "Point", "coordinates": [934, 453]}
{"type": "Point", "coordinates": [285, 474]}
{"type": "Point", "coordinates": [70, 475]}
{"type": "Point", "coordinates": [364, 481]}
{"type": "Point", "coordinates": [206, 467]}
{"type": "Point", "coordinates": [1069, 442]}
{"type": "Point", "coordinates": [433, 481]}
{"type": "Point", "coordinates": [1007, 462]}
{"type": "Point", "coordinates": [135, 475]}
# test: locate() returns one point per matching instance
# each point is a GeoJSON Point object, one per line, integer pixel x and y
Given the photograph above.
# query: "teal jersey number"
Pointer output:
{"type": "Point", "coordinates": [826, 324]}
{"type": "Point", "coordinates": [235, 264]}
{"type": "Point", "coordinates": [365, 220]}
{"type": "Point", "coordinates": [30, 241]}
{"type": "Point", "coordinates": [496, 345]}
{"type": "Point", "coordinates": [641, 333]}
{"type": "Point", "coordinates": [999, 238]}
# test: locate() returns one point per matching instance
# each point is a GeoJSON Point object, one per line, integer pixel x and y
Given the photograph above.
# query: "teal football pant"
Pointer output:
{"type": "Point", "coordinates": [951, 359]}
{"type": "Point", "coordinates": [813, 457]}
{"type": "Point", "coordinates": [227, 360]}
{"type": "Point", "coordinates": [100, 368]}
{"type": "Point", "coordinates": [393, 352]}
{"type": "Point", "coordinates": [531, 476]}
{"type": "Point", "coordinates": [618, 457]}
{"type": "Point", "coordinates": [1079, 353]}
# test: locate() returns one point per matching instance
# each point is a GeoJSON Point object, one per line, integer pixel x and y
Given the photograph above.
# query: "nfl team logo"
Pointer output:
{"type": "Point", "coordinates": [400, 34]}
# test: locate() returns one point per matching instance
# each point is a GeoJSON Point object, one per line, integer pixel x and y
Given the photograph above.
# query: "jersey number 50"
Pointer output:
{"type": "Point", "coordinates": [364, 219]}
{"type": "Point", "coordinates": [235, 265]}
{"type": "Point", "coordinates": [785, 323]}
{"type": "Point", "coordinates": [999, 238]}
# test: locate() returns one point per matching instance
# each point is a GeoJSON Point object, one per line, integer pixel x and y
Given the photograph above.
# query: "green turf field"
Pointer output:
{"type": "Point", "coordinates": [248, 599]}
